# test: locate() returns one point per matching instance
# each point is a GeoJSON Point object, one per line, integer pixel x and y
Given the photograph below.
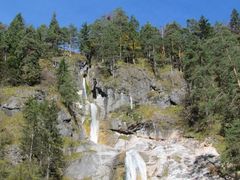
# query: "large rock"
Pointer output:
{"type": "Point", "coordinates": [13, 154]}
{"type": "Point", "coordinates": [95, 162]}
{"type": "Point", "coordinates": [137, 86]}
{"type": "Point", "coordinates": [116, 99]}
{"type": "Point", "coordinates": [13, 105]}
{"type": "Point", "coordinates": [177, 96]}
{"type": "Point", "coordinates": [64, 123]}
{"type": "Point", "coordinates": [174, 158]}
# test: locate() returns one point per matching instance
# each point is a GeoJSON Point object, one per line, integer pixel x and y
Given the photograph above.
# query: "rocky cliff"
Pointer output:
{"type": "Point", "coordinates": [141, 113]}
{"type": "Point", "coordinates": [136, 125]}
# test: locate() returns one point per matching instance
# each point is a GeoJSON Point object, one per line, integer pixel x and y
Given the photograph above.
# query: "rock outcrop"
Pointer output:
{"type": "Point", "coordinates": [95, 162]}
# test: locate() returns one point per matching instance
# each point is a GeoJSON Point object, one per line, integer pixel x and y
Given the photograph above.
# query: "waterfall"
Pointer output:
{"type": "Point", "coordinates": [135, 166]}
{"type": "Point", "coordinates": [94, 123]}
{"type": "Point", "coordinates": [131, 102]}
{"type": "Point", "coordinates": [84, 88]}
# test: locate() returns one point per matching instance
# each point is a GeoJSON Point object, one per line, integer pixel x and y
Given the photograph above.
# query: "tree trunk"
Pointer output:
{"type": "Point", "coordinates": [120, 49]}
{"type": "Point", "coordinates": [154, 63]}
{"type": "Point", "coordinates": [133, 52]}
{"type": "Point", "coordinates": [48, 163]}
{"type": "Point", "coordinates": [31, 148]}
{"type": "Point", "coordinates": [180, 60]}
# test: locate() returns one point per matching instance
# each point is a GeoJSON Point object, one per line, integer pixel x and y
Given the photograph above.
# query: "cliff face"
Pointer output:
{"type": "Point", "coordinates": [138, 112]}
{"type": "Point", "coordinates": [134, 114]}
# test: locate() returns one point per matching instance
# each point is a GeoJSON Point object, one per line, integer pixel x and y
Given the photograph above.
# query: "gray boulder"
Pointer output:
{"type": "Point", "coordinates": [13, 154]}
{"type": "Point", "coordinates": [96, 162]}
{"type": "Point", "coordinates": [64, 124]}
{"type": "Point", "coordinates": [208, 166]}
{"type": "Point", "coordinates": [13, 105]}
{"type": "Point", "coordinates": [177, 96]}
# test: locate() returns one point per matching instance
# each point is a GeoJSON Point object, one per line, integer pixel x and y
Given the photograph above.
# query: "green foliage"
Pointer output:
{"type": "Point", "coordinates": [25, 170]}
{"type": "Point", "coordinates": [66, 86]}
{"type": "Point", "coordinates": [86, 45]}
{"type": "Point", "coordinates": [5, 168]}
{"type": "Point", "coordinates": [231, 155]}
{"type": "Point", "coordinates": [54, 35]}
{"type": "Point", "coordinates": [41, 141]}
{"type": "Point", "coordinates": [235, 21]}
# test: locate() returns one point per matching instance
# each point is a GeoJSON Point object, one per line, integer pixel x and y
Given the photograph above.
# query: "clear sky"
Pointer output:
{"type": "Point", "coordinates": [158, 12]}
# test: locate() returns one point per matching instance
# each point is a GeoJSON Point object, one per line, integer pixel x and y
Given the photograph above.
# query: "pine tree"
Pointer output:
{"type": "Point", "coordinates": [3, 52]}
{"type": "Point", "coordinates": [85, 42]}
{"type": "Point", "coordinates": [55, 35]}
{"type": "Point", "coordinates": [150, 42]}
{"type": "Point", "coordinates": [174, 43]}
{"type": "Point", "coordinates": [66, 86]}
{"type": "Point", "coordinates": [204, 27]}
{"type": "Point", "coordinates": [120, 20]}
{"type": "Point", "coordinates": [232, 152]}
{"type": "Point", "coordinates": [29, 50]}
{"type": "Point", "coordinates": [41, 142]}
{"type": "Point", "coordinates": [14, 35]}
{"type": "Point", "coordinates": [235, 21]}
{"type": "Point", "coordinates": [42, 33]}
{"type": "Point", "coordinates": [133, 36]}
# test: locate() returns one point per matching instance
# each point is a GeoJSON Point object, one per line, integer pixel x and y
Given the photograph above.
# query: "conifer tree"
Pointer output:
{"type": "Point", "coordinates": [14, 35]}
{"type": "Point", "coordinates": [204, 27]}
{"type": "Point", "coordinates": [235, 21]}
{"type": "Point", "coordinates": [41, 142]}
{"type": "Point", "coordinates": [66, 86]}
{"type": "Point", "coordinates": [54, 35]}
{"type": "Point", "coordinates": [85, 42]}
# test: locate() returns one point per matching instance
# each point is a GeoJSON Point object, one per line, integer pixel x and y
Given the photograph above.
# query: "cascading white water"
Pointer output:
{"type": "Point", "coordinates": [131, 102]}
{"type": "Point", "coordinates": [94, 123]}
{"type": "Point", "coordinates": [135, 166]}
{"type": "Point", "coordinates": [84, 88]}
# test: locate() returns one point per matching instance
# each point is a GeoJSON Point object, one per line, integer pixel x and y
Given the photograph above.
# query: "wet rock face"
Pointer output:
{"type": "Point", "coordinates": [174, 158]}
{"type": "Point", "coordinates": [137, 84]}
{"type": "Point", "coordinates": [116, 99]}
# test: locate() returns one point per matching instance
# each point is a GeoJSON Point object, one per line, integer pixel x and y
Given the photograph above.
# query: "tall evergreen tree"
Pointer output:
{"type": "Point", "coordinates": [120, 20]}
{"type": "Point", "coordinates": [85, 42]}
{"type": "Point", "coordinates": [133, 38]}
{"type": "Point", "coordinates": [232, 152]}
{"type": "Point", "coordinates": [55, 35]}
{"type": "Point", "coordinates": [174, 43]}
{"type": "Point", "coordinates": [15, 34]}
{"type": "Point", "coordinates": [42, 33]}
{"type": "Point", "coordinates": [41, 142]}
{"type": "Point", "coordinates": [66, 86]}
{"type": "Point", "coordinates": [235, 21]}
{"type": "Point", "coordinates": [204, 27]}
{"type": "Point", "coordinates": [150, 42]}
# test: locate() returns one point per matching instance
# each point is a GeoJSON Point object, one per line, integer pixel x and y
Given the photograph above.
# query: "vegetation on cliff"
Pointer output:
{"type": "Point", "coordinates": [208, 55]}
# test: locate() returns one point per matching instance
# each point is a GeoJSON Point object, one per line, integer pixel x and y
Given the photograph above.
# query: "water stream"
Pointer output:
{"type": "Point", "coordinates": [84, 88]}
{"type": "Point", "coordinates": [94, 123]}
{"type": "Point", "coordinates": [131, 102]}
{"type": "Point", "coordinates": [135, 166]}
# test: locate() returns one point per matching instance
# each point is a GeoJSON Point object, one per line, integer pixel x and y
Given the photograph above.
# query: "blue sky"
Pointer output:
{"type": "Point", "coordinates": [158, 12]}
